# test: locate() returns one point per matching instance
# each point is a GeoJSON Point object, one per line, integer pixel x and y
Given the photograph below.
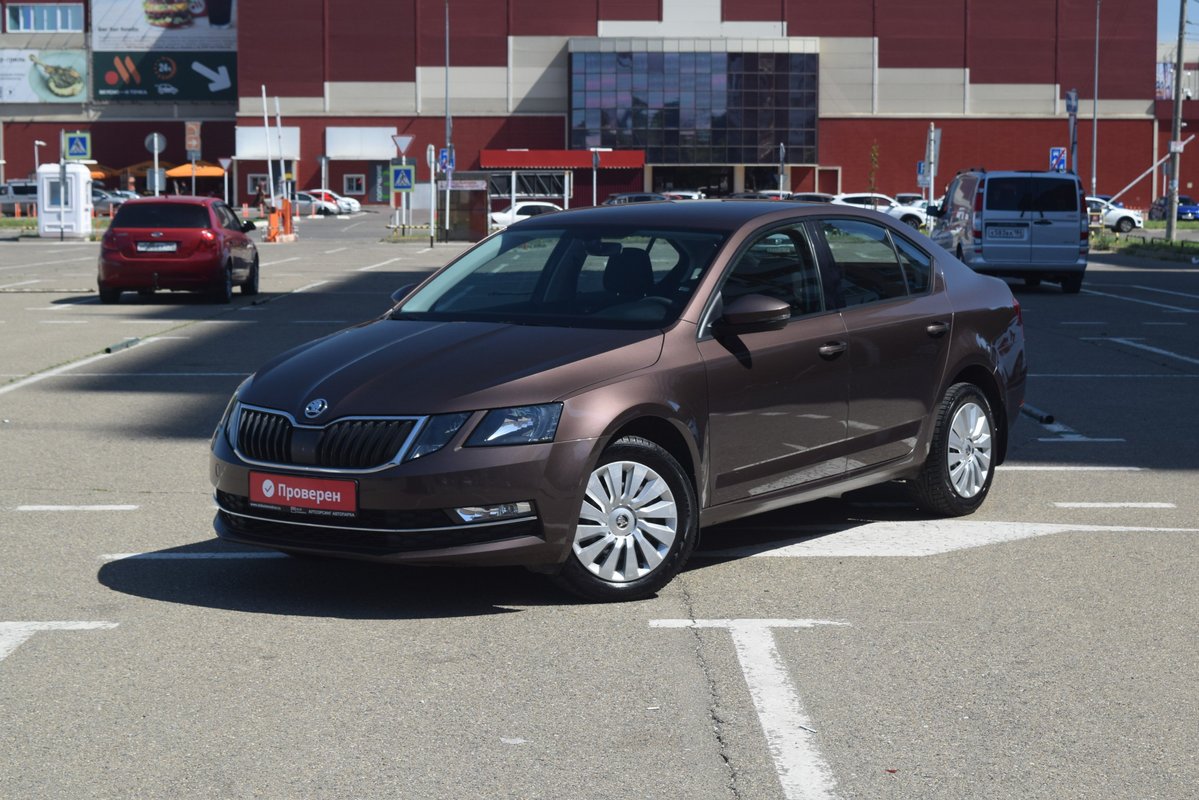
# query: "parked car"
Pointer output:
{"type": "Point", "coordinates": [522, 210]}
{"type": "Point", "coordinates": [345, 205]}
{"type": "Point", "coordinates": [583, 390]}
{"type": "Point", "coordinates": [14, 193]}
{"type": "Point", "coordinates": [811, 197]}
{"type": "Point", "coordinates": [104, 201]}
{"type": "Point", "coordinates": [1020, 224]}
{"type": "Point", "coordinates": [683, 194]}
{"type": "Point", "coordinates": [180, 243]}
{"type": "Point", "coordinates": [1188, 209]}
{"type": "Point", "coordinates": [307, 204]}
{"type": "Point", "coordinates": [911, 215]}
{"type": "Point", "coordinates": [127, 194]}
{"type": "Point", "coordinates": [1117, 219]}
{"type": "Point", "coordinates": [633, 197]}
{"type": "Point", "coordinates": [909, 198]}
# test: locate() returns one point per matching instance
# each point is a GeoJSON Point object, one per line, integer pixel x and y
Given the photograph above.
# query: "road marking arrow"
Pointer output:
{"type": "Point", "coordinates": [218, 81]}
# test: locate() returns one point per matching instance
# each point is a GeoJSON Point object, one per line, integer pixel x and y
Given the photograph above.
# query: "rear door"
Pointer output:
{"type": "Point", "coordinates": [1007, 220]}
{"type": "Point", "coordinates": [160, 231]}
{"type": "Point", "coordinates": [1057, 220]}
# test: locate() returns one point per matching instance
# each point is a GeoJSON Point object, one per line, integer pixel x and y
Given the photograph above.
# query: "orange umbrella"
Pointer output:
{"type": "Point", "coordinates": [203, 170]}
{"type": "Point", "coordinates": [140, 169]}
{"type": "Point", "coordinates": [101, 172]}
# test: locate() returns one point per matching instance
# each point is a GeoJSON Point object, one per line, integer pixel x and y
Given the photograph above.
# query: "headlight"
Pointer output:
{"type": "Point", "coordinates": [523, 425]}
{"type": "Point", "coordinates": [228, 422]}
{"type": "Point", "coordinates": [436, 434]}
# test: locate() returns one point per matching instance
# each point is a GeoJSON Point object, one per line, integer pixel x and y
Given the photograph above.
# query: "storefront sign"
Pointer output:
{"type": "Point", "coordinates": [174, 25]}
{"type": "Point", "coordinates": [43, 76]}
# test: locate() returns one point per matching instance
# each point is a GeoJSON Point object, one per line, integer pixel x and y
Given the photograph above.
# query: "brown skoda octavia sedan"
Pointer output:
{"type": "Point", "coordinates": [583, 391]}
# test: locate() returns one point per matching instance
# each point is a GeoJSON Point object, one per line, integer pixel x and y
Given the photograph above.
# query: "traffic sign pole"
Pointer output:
{"type": "Point", "coordinates": [429, 156]}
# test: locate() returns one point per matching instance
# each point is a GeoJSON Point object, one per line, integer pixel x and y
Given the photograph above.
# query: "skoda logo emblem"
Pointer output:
{"type": "Point", "coordinates": [316, 408]}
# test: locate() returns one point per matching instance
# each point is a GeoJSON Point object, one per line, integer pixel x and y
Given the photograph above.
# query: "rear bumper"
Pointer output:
{"type": "Point", "coordinates": [198, 271]}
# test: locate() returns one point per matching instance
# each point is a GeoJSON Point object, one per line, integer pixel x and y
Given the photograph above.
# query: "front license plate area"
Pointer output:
{"type": "Point", "coordinates": [1008, 232]}
{"type": "Point", "coordinates": [316, 497]}
{"type": "Point", "coordinates": [157, 247]}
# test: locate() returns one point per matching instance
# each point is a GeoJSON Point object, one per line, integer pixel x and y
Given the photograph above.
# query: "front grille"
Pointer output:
{"type": "Point", "coordinates": [273, 438]}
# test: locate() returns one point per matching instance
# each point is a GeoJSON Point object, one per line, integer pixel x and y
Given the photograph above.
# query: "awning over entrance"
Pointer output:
{"type": "Point", "coordinates": [203, 170]}
{"type": "Point", "coordinates": [560, 159]}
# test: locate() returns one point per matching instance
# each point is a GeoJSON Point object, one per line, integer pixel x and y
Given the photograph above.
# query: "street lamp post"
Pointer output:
{"type": "Point", "coordinates": [37, 144]}
{"type": "Point", "coordinates": [1095, 109]}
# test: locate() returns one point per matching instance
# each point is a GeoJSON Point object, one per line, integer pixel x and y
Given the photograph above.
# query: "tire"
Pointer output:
{"type": "Point", "coordinates": [1071, 284]}
{"type": "Point", "coordinates": [109, 296]}
{"type": "Point", "coordinates": [956, 477]}
{"type": "Point", "coordinates": [913, 221]}
{"type": "Point", "coordinates": [224, 291]}
{"type": "Point", "coordinates": [638, 522]}
{"type": "Point", "coordinates": [250, 287]}
{"type": "Point", "coordinates": [1125, 225]}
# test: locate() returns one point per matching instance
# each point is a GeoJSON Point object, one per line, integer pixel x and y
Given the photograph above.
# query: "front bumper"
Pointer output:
{"type": "Point", "coordinates": [404, 513]}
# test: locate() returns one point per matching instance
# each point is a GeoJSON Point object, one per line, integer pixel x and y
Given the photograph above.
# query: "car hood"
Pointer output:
{"type": "Point", "coordinates": [408, 367]}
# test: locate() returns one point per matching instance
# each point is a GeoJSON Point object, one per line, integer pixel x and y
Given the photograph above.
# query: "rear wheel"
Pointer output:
{"type": "Point", "coordinates": [961, 460]}
{"type": "Point", "coordinates": [1072, 284]}
{"type": "Point", "coordinates": [637, 524]}
{"type": "Point", "coordinates": [109, 296]}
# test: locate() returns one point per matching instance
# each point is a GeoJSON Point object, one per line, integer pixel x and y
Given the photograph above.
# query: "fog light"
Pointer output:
{"type": "Point", "coordinates": [492, 513]}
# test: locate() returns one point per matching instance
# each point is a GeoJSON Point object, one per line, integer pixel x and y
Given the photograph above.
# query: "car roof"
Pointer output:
{"type": "Point", "coordinates": [185, 199]}
{"type": "Point", "coordinates": [720, 214]}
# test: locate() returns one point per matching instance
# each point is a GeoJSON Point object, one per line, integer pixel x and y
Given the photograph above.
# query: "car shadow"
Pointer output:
{"type": "Point", "coordinates": [212, 574]}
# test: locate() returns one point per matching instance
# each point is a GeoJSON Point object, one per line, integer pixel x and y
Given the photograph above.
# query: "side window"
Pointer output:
{"type": "Point", "coordinates": [867, 268]}
{"type": "Point", "coordinates": [917, 266]}
{"type": "Point", "coordinates": [778, 264]}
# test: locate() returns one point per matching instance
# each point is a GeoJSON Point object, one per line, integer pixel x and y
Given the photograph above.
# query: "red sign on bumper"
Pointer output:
{"type": "Point", "coordinates": [311, 494]}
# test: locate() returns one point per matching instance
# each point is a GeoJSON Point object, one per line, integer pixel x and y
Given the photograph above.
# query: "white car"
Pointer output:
{"type": "Point", "coordinates": [1114, 217]}
{"type": "Point", "coordinates": [307, 204]}
{"type": "Point", "coordinates": [522, 210]}
{"type": "Point", "coordinates": [345, 205]}
{"type": "Point", "coordinates": [912, 215]}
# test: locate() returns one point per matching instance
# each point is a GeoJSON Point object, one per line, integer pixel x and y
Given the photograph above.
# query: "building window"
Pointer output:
{"type": "Point", "coordinates": [696, 108]}
{"type": "Point", "coordinates": [256, 181]}
{"type": "Point", "coordinates": [353, 184]}
{"type": "Point", "coordinates": [44, 17]}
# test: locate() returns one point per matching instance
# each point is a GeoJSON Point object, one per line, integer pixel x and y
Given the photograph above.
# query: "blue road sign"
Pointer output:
{"type": "Point", "coordinates": [79, 145]}
{"type": "Point", "coordinates": [402, 177]}
{"type": "Point", "coordinates": [1057, 159]}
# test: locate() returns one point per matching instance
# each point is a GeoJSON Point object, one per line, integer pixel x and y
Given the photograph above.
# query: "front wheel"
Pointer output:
{"type": "Point", "coordinates": [1125, 225]}
{"type": "Point", "coordinates": [250, 287]}
{"type": "Point", "coordinates": [637, 524]}
{"type": "Point", "coordinates": [955, 479]}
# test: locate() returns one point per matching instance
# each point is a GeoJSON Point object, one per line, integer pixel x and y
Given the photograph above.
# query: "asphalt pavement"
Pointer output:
{"type": "Point", "coordinates": [1044, 647]}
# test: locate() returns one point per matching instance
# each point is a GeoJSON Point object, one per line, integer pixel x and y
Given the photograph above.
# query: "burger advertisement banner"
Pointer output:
{"type": "Point", "coordinates": [43, 76]}
{"type": "Point", "coordinates": [133, 25]}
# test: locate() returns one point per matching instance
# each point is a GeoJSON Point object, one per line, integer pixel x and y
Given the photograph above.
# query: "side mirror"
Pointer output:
{"type": "Point", "coordinates": [248, 226]}
{"type": "Point", "coordinates": [754, 312]}
{"type": "Point", "coordinates": [402, 292]}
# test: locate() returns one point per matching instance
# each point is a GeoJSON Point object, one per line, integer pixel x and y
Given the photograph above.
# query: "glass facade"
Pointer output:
{"type": "Point", "coordinates": [696, 108]}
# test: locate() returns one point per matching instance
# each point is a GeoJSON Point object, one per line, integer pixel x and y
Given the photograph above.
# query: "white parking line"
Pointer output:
{"type": "Point", "coordinates": [1140, 376]}
{"type": "Point", "coordinates": [1084, 323]}
{"type": "Point", "coordinates": [62, 321]}
{"type": "Point", "coordinates": [1114, 505]}
{"type": "Point", "coordinates": [1064, 468]}
{"type": "Point", "coordinates": [1147, 348]}
{"type": "Point", "coordinates": [41, 376]}
{"type": "Point", "coordinates": [79, 508]}
{"type": "Point", "coordinates": [802, 771]}
{"type": "Point", "coordinates": [381, 264]}
{"type": "Point", "coordinates": [280, 261]}
{"type": "Point", "coordinates": [1141, 302]}
{"type": "Point", "coordinates": [908, 539]}
{"type": "Point", "coordinates": [191, 556]}
{"type": "Point", "coordinates": [46, 263]}
{"type": "Point", "coordinates": [1167, 291]}
{"type": "Point", "coordinates": [14, 285]}
{"type": "Point", "coordinates": [14, 634]}
{"type": "Point", "coordinates": [335, 250]}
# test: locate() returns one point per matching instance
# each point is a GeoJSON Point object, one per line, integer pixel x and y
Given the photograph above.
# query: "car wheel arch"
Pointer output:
{"type": "Point", "coordinates": [667, 435]}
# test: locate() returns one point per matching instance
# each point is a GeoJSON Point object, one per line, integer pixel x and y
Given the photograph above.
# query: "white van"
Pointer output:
{"type": "Point", "coordinates": [1023, 224]}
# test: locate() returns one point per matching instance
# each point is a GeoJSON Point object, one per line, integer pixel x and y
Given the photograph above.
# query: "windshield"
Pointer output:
{"type": "Point", "coordinates": [571, 277]}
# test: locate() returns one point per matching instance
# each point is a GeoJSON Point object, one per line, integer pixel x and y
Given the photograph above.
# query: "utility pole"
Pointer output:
{"type": "Point", "coordinates": [1095, 107]}
{"type": "Point", "coordinates": [1176, 128]}
{"type": "Point", "coordinates": [449, 124]}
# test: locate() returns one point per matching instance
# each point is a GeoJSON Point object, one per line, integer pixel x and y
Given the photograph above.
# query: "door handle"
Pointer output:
{"type": "Point", "coordinates": [937, 329]}
{"type": "Point", "coordinates": [832, 350]}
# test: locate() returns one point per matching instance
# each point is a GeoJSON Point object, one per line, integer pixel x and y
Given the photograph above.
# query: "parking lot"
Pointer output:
{"type": "Point", "coordinates": [1045, 647]}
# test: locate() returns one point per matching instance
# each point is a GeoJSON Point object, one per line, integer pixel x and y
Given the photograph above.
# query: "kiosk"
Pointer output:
{"type": "Point", "coordinates": [64, 214]}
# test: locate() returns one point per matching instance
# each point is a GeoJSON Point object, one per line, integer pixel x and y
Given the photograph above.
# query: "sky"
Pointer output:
{"type": "Point", "coordinates": [1167, 20]}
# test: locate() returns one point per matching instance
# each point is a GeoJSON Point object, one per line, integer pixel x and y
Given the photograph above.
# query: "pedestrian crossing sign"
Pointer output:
{"type": "Point", "coordinates": [79, 145]}
{"type": "Point", "coordinates": [402, 177]}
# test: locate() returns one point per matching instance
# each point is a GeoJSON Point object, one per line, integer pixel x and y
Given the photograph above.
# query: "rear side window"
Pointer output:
{"type": "Point", "coordinates": [1031, 193]}
{"type": "Point", "coordinates": [868, 267]}
{"type": "Point", "coordinates": [161, 215]}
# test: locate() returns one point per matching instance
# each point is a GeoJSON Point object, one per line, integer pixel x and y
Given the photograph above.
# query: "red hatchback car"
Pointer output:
{"type": "Point", "coordinates": [194, 244]}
